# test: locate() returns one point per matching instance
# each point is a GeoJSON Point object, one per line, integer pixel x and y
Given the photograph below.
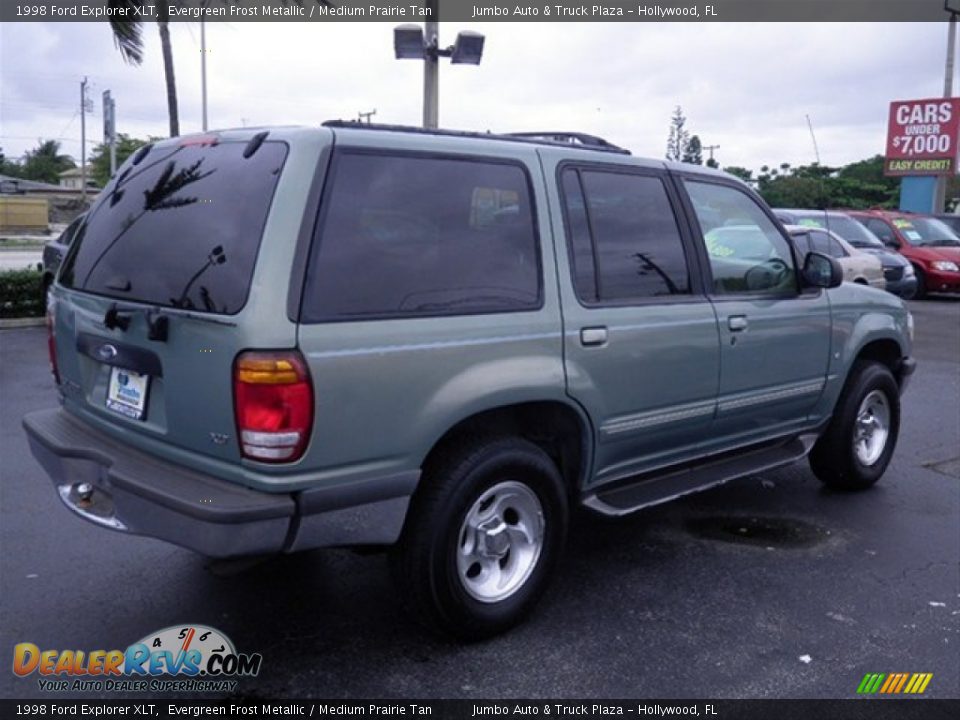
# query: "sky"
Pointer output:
{"type": "Point", "coordinates": [745, 87]}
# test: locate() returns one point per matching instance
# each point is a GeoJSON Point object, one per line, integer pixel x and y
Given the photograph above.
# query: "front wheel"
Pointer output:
{"type": "Point", "coordinates": [482, 538]}
{"type": "Point", "coordinates": [856, 447]}
{"type": "Point", "coordinates": [921, 292]}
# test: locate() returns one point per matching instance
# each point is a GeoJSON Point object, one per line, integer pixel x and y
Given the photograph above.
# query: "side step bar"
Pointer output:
{"type": "Point", "coordinates": [653, 489]}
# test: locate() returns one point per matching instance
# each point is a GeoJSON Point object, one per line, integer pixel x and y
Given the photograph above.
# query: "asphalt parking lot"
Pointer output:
{"type": "Point", "coordinates": [767, 587]}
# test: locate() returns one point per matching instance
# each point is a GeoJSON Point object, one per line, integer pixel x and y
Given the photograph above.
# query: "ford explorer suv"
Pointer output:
{"type": "Point", "coordinates": [271, 340]}
{"type": "Point", "coordinates": [897, 270]}
{"type": "Point", "coordinates": [929, 244]}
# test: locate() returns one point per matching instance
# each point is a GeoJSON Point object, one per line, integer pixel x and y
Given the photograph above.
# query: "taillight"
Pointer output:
{"type": "Point", "coordinates": [52, 339]}
{"type": "Point", "coordinates": [273, 404]}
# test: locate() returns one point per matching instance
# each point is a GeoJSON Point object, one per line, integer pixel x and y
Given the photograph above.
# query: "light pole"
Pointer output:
{"type": "Point", "coordinates": [412, 42]}
{"type": "Point", "coordinates": [952, 7]}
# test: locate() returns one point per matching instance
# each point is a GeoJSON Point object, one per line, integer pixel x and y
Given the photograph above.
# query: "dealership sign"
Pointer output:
{"type": "Point", "coordinates": [922, 137]}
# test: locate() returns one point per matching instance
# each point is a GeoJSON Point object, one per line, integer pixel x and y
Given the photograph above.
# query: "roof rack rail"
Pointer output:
{"type": "Point", "coordinates": [580, 140]}
{"type": "Point", "coordinates": [572, 138]}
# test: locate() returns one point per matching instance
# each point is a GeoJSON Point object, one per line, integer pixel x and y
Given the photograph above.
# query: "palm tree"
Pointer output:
{"type": "Point", "coordinates": [128, 37]}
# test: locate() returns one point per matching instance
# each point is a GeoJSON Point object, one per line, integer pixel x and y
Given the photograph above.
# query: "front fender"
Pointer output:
{"type": "Point", "coordinates": [860, 316]}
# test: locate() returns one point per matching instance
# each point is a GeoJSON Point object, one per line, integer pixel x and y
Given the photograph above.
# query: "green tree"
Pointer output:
{"type": "Point", "coordinates": [693, 152]}
{"type": "Point", "coordinates": [45, 162]}
{"type": "Point", "coordinates": [100, 157]}
{"type": "Point", "coordinates": [740, 172]}
{"type": "Point", "coordinates": [9, 166]}
{"type": "Point", "coordinates": [678, 137]}
{"type": "Point", "coordinates": [128, 37]}
{"type": "Point", "coordinates": [711, 163]}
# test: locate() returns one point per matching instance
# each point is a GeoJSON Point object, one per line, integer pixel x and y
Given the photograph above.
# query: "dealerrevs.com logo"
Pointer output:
{"type": "Point", "coordinates": [181, 658]}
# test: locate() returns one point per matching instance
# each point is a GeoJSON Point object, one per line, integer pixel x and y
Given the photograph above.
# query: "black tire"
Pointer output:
{"type": "Point", "coordinates": [921, 291]}
{"type": "Point", "coordinates": [424, 561]}
{"type": "Point", "coordinates": [834, 459]}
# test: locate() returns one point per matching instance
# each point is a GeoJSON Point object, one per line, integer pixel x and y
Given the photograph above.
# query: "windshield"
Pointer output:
{"type": "Point", "coordinates": [844, 226]}
{"type": "Point", "coordinates": [180, 228]}
{"type": "Point", "coordinates": [927, 231]}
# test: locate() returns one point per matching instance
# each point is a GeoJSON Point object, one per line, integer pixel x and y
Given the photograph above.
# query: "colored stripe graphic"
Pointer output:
{"type": "Point", "coordinates": [894, 683]}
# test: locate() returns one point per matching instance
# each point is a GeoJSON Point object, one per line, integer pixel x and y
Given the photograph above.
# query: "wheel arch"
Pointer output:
{"type": "Point", "coordinates": [560, 429]}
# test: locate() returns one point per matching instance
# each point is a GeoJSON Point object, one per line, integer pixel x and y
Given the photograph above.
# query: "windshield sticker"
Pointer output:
{"type": "Point", "coordinates": [913, 235]}
{"type": "Point", "coordinates": [714, 247]}
{"type": "Point", "coordinates": [810, 222]}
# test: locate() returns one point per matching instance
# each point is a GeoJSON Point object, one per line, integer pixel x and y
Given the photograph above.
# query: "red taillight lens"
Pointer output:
{"type": "Point", "coordinates": [52, 340]}
{"type": "Point", "coordinates": [273, 404]}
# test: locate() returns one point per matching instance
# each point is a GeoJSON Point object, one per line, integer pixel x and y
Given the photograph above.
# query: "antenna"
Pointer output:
{"type": "Point", "coordinates": [813, 137]}
{"type": "Point", "coordinates": [823, 192]}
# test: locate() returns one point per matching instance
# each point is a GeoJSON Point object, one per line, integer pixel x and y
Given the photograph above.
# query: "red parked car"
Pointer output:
{"type": "Point", "coordinates": [928, 243]}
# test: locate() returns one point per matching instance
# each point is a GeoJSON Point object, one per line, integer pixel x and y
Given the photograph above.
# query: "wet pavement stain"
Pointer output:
{"type": "Point", "coordinates": [764, 532]}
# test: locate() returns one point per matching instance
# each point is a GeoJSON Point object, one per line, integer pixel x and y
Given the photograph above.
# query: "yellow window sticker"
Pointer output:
{"type": "Point", "coordinates": [902, 224]}
{"type": "Point", "coordinates": [810, 222]}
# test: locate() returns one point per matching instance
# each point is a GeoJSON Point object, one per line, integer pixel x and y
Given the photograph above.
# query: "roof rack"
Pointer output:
{"type": "Point", "coordinates": [580, 140]}
{"type": "Point", "coordinates": [571, 138]}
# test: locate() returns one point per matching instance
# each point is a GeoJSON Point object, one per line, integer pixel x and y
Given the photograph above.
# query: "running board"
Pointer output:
{"type": "Point", "coordinates": [653, 489]}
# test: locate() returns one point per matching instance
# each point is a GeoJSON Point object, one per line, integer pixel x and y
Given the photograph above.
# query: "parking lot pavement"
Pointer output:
{"type": "Point", "coordinates": [769, 586]}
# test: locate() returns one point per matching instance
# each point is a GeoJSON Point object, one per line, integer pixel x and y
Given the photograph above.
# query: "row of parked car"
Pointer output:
{"type": "Point", "coordinates": [908, 254]}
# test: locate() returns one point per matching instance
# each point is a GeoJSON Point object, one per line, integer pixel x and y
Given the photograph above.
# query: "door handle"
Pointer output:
{"type": "Point", "coordinates": [593, 336]}
{"type": "Point", "coordinates": [737, 323]}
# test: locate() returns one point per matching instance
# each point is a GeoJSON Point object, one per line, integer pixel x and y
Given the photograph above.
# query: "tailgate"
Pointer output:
{"type": "Point", "coordinates": [165, 284]}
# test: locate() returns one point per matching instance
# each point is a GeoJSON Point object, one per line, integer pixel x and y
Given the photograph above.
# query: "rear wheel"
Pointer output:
{"type": "Point", "coordinates": [857, 446]}
{"type": "Point", "coordinates": [482, 538]}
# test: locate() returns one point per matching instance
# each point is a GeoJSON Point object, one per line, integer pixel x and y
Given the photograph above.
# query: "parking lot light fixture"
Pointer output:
{"type": "Point", "coordinates": [411, 43]}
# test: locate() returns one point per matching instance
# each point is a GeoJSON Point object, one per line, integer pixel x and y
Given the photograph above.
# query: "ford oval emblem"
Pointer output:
{"type": "Point", "coordinates": [107, 352]}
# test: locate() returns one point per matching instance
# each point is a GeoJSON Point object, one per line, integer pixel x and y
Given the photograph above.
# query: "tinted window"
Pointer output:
{"type": "Point", "coordinates": [578, 230]}
{"type": "Point", "coordinates": [422, 236]}
{"type": "Point", "coordinates": [747, 253]}
{"type": "Point", "coordinates": [636, 251]}
{"type": "Point", "coordinates": [880, 229]}
{"type": "Point", "coordinates": [181, 228]}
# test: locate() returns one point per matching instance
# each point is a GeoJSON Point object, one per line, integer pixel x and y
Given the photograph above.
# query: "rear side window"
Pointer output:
{"type": "Point", "coordinates": [181, 228]}
{"type": "Point", "coordinates": [624, 239]}
{"type": "Point", "coordinates": [405, 235]}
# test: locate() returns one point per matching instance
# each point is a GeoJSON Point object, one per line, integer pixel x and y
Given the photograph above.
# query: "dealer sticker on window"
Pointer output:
{"type": "Point", "coordinates": [127, 392]}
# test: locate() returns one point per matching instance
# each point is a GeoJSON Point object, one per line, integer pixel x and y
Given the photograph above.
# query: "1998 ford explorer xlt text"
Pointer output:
{"type": "Point", "coordinates": [269, 340]}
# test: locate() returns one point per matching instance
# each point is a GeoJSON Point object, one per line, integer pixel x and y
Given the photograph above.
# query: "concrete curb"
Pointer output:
{"type": "Point", "coordinates": [11, 323]}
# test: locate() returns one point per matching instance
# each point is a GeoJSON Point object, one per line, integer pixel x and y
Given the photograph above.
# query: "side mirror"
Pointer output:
{"type": "Point", "coordinates": [821, 271]}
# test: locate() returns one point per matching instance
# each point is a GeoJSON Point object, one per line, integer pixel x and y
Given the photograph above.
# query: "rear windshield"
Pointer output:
{"type": "Point", "coordinates": [181, 228]}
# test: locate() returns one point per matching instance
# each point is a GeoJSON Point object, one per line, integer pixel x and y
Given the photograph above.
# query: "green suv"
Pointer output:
{"type": "Point", "coordinates": [272, 340]}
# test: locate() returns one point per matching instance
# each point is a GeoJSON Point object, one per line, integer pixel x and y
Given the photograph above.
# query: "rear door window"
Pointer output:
{"type": "Point", "coordinates": [624, 239]}
{"type": "Point", "coordinates": [181, 228]}
{"type": "Point", "coordinates": [411, 235]}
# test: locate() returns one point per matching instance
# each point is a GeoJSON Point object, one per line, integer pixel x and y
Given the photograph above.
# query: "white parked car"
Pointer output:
{"type": "Point", "coordinates": [858, 266]}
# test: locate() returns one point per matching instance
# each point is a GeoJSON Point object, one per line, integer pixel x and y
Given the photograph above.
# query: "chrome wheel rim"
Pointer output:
{"type": "Point", "coordinates": [500, 541]}
{"type": "Point", "coordinates": [872, 428]}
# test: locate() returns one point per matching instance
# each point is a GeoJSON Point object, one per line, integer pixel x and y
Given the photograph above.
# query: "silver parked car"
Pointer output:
{"type": "Point", "coordinates": [858, 266]}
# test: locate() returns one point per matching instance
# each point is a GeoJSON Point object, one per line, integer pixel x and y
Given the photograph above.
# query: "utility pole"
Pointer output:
{"type": "Point", "coordinates": [710, 149]}
{"type": "Point", "coordinates": [940, 194]}
{"type": "Point", "coordinates": [361, 116]}
{"type": "Point", "coordinates": [431, 68]}
{"type": "Point", "coordinates": [110, 129]}
{"type": "Point", "coordinates": [83, 139]}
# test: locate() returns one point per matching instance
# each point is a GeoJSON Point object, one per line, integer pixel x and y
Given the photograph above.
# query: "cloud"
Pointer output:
{"type": "Point", "coordinates": [745, 87]}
